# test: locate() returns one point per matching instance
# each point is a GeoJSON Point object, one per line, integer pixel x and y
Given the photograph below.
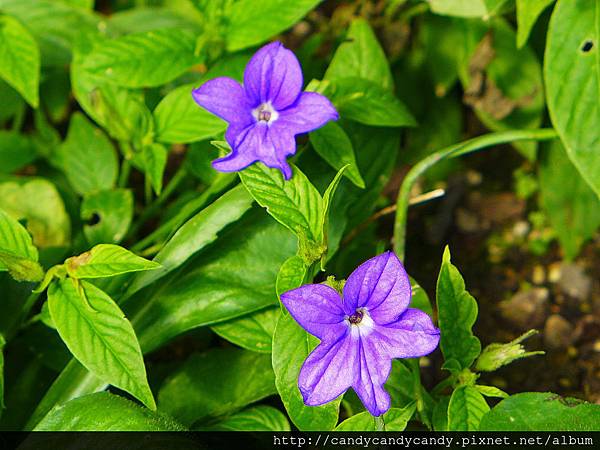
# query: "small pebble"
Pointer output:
{"type": "Point", "coordinates": [558, 332]}
{"type": "Point", "coordinates": [554, 272]}
{"type": "Point", "coordinates": [539, 275]}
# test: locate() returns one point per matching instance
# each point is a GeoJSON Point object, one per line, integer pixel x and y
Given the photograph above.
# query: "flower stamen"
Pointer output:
{"type": "Point", "coordinates": [356, 318]}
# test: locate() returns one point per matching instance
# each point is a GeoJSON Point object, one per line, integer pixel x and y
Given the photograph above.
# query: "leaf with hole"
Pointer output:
{"type": "Point", "coordinates": [572, 75]}
{"type": "Point", "coordinates": [108, 215]}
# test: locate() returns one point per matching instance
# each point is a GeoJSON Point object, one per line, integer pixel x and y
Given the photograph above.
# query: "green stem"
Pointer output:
{"type": "Point", "coordinates": [379, 423]}
{"type": "Point", "coordinates": [453, 151]}
{"type": "Point", "coordinates": [156, 206]}
{"type": "Point", "coordinates": [418, 390]}
{"type": "Point", "coordinates": [124, 174]}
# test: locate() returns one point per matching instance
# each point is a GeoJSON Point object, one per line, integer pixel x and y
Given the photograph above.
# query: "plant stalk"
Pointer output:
{"type": "Point", "coordinates": [453, 151]}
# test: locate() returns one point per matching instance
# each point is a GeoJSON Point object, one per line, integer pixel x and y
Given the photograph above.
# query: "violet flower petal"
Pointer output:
{"type": "Point", "coordinates": [374, 369]}
{"type": "Point", "coordinates": [329, 370]}
{"type": "Point", "coordinates": [225, 98]}
{"type": "Point", "coordinates": [310, 111]}
{"type": "Point", "coordinates": [243, 154]}
{"type": "Point", "coordinates": [411, 336]}
{"type": "Point", "coordinates": [382, 286]}
{"type": "Point", "coordinates": [317, 308]}
{"type": "Point", "coordinates": [273, 75]}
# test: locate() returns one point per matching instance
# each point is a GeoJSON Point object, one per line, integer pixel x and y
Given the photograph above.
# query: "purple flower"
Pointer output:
{"type": "Point", "coordinates": [267, 112]}
{"type": "Point", "coordinates": [360, 333]}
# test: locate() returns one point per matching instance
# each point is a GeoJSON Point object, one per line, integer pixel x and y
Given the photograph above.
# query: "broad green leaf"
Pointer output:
{"type": "Point", "coordinates": [56, 25]}
{"type": "Point", "coordinates": [107, 260]}
{"type": "Point", "coordinates": [395, 419]}
{"type": "Point", "coordinates": [196, 234]}
{"type": "Point", "coordinates": [572, 76]}
{"type": "Point", "coordinates": [257, 418]}
{"type": "Point", "coordinates": [491, 391]}
{"type": "Point", "coordinates": [420, 299]}
{"type": "Point", "coordinates": [440, 414]}
{"type": "Point", "coordinates": [215, 383]}
{"type": "Point", "coordinates": [328, 197]}
{"type": "Point", "coordinates": [400, 384]}
{"type": "Point", "coordinates": [504, 84]}
{"type": "Point", "coordinates": [367, 102]}
{"type": "Point", "coordinates": [38, 203]}
{"type": "Point", "coordinates": [570, 203]}
{"type": "Point", "coordinates": [294, 203]}
{"type": "Point", "coordinates": [291, 274]}
{"type": "Point", "coordinates": [467, 407]}
{"type": "Point", "coordinates": [528, 12]}
{"type": "Point", "coordinates": [12, 102]}
{"type": "Point", "coordinates": [457, 312]}
{"type": "Point", "coordinates": [16, 151]}
{"type": "Point", "coordinates": [155, 161]}
{"type": "Point", "coordinates": [335, 147]}
{"type": "Point", "coordinates": [291, 346]}
{"type": "Point", "coordinates": [97, 333]}
{"type": "Point", "coordinates": [360, 55]}
{"type": "Point", "coordinates": [87, 157]}
{"type": "Point", "coordinates": [105, 412]}
{"type": "Point", "coordinates": [253, 332]}
{"type": "Point", "coordinates": [19, 59]}
{"type": "Point", "coordinates": [228, 280]}
{"type": "Point", "coordinates": [18, 255]}
{"type": "Point", "coordinates": [150, 18]}
{"type": "Point", "coordinates": [541, 411]}
{"type": "Point", "coordinates": [467, 8]}
{"type": "Point", "coordinates": [122, 112]}
{"type": "Point", "coordinates": [143, 59]}
{"type": "Point", "coordinates": [109, 214]}
{"type": "Point", "coordinates": [250, 23]}
{"type": "Point", "coordinates": [180, 120]}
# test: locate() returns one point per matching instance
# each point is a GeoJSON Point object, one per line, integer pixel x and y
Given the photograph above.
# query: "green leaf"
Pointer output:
{"type": "Point", "coordinates": [143, 59]}
{"type": "Point", "coordinates": [18, 255]}
{"type": "Point", "coordinates": [467, 8]}
{"type": "Point", "coordinates": [537, 411]}
{"type": "Point", "coordinates": [528, 12]}
{"type": "Point", "coordinates": [155, 161]}
{"type": "Point", "coordinates": [395, 419]}
{"type": "Point", "coordinates": [107, 260]}
{"type": "Point", "coordinates": [291, 275]}
{"type": "Point", "coordinates": [335, 147]}
{"type": "Point", "coordinates": [250, 24]}
{"type": "Point", "coordinates": [504, 84]}
{"type": "Point", "coordinates": [87, 157]}
{"type": "Point", "coordinates": [366, 102]}
{"type": "Point", "coordinates": [196, 234]}
{"type": "Point", "coordinates": [216, 383]}
{"type": "Point", "coordinates": [180, 120]}
{"type": "Point", "coordinates": [467, 407]}
{"type": "Point", "coordinates": [111, 213]}
{"type": "Point", "coordinates": [360, 55]}
{"type": "Point", "coordinates": [19, 59]}
{"type": "Point", "coordinates": [97, 333]}
{"type": "Point", "coordinates": [571, 205]}
{"type": "Point", "coordinates": [491, 391]}
{"type": "Point", "coordinates": [294, 203]}
{"type": "Point", "coordinates": [291, 346]}
{"type": "Point", "coordinates": [440, 414]}
{"type": "Point", "coordinates": [105, 412]}
{"type": "Point", "coordinates": [420, 299]}
{"type": "Point", "coordinates": [457, 312]}
{"type": "Point", "coordinates": [228, 280]}
{"type": "Point", "coordinates": [55, 24]}
{"type": "Point", "coordinates": [16, 151]}
{"type": "Point", "coordinates": [38, 203]}
{"type": "Point", "coordinates": [253, 332]}
{"type": "Point", "coordinates": [572, 76]}
{"type": "Point", "coordinates": [257, 418]}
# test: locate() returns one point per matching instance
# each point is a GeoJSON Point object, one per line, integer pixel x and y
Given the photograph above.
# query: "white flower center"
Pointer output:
{"type": "Point", "coordinates": [265, 113]}
{"type": "Point", "coordinates": [360, 323]}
